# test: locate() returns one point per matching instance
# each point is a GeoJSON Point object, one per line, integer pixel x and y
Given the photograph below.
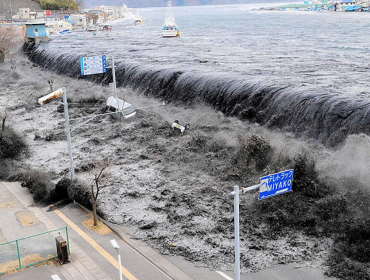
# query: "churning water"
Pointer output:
{"type": "Point", "coordinates": [305, 72]}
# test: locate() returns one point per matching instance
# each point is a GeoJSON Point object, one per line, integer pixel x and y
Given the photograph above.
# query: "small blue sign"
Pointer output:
{"type": "Point", "coordinates": [66, 17]}
{"type": "Point", "coordinates": [93, 65]}
{"type": "Point", "coordinates": [275, 184]}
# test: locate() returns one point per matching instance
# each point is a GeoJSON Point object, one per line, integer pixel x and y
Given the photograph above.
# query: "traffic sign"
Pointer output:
{"type": "Point", "coordinates": [275, 184]}
{"type": "Point", "coordinates": [93, 65]}
{"type": "Point", "coordinates": [48, 13]}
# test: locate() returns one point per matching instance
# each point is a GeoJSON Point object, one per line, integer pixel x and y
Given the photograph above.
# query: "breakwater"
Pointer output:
{"type": "Point", "coordinates": [330, 118]}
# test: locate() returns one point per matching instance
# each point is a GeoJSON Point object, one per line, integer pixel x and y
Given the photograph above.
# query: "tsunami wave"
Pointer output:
{"type": "Point", "coordinates": [327, 117]}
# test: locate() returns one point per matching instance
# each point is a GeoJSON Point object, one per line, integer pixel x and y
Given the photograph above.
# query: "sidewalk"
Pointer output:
{"type": "Point", "coordinates": [80, 268]}
{"type": "Point", "coordinates": [92, 255]}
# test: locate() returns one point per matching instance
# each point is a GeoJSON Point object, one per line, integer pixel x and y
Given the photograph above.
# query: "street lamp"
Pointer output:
{"type": "Point", "coordinates": [116, 246]}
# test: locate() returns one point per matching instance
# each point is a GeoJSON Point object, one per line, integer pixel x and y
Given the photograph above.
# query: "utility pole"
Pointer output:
{"type": "Point", "coordinates": [236, 232]}
{"type": "Point", "coordinates": [68, 131]}
{"type": "Point", "coordinates": [11, 11]}
{"type": "Point", "coordinates": [114, 78]}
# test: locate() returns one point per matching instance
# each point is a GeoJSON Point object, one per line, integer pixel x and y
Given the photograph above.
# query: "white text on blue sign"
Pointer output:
{"type": "Point", "coordinates": [275, 184]}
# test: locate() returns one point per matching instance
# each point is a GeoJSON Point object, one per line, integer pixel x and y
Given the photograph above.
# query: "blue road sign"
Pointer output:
{"type": "Point", "coordinates": [275, 184]}
{"type": "Point", "coordinates": [93, 65]}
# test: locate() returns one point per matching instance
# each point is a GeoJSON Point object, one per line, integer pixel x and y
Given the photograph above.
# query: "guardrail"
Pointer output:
{"type": "Point", "coordinates": [31, 250]}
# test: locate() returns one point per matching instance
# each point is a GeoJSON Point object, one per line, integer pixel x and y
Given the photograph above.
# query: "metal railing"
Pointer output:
{"type": "Point", "coordinates": [31, 250]}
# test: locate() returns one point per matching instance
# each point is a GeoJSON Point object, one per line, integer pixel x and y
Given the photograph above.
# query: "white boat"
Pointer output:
{"type": "Point", "coordinates": [169, 28]}
{"type": "Point", "coordinates": [138, 20]}
{"type": "Point", "coordinates": [91, 28]}
{"type": "Point", "coordinates": [105, 27]}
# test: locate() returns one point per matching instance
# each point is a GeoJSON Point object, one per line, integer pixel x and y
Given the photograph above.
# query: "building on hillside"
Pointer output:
{"type": "Point", "coordinates": [4, 19]}
{"type": "Point", "coordinates": [106, 9]}
{"type": "Point", "coordinates": [40, 14]}
{"type": "Point", "coordinates": [36, 32]}
{"type": "Point", "coordinates": [96, 12]}
{"type": "Point", "coordinates": [33, 15]}
{"type": "Point", "coordinates": [24, 13]}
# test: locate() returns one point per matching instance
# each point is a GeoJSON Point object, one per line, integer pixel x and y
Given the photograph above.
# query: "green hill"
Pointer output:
{"type": "Point", "coordinates": [57, 4]}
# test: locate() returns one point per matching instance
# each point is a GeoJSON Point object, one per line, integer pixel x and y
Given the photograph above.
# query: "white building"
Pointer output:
{"type": "Point", "coordinates": [53, 27]}
{"type": "Point", "coordinates": [79, 19]}
{"type": "Point", "coordinates": [106, 9]}
{"type": "Point", "coordinates": [24, 13]}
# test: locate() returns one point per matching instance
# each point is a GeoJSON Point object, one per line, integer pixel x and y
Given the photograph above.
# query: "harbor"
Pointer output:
{"type": "Point", "coordinates": [325, 5]}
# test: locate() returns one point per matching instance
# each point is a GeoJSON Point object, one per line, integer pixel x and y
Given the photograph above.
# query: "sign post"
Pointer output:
{"type": "Point", "coordinates": [114, 78]}
{"type": "Point", "coordinates": [270, 185]}
{"type": "Point", "coordinates": [93, 65]}
{"type": "Point", "coordinates": [68, 130]}
{"type": "Point", "coordinates": [236, 230]}
{"type": "Point", "coordinates": [96, 65]}
{"type": "Point", "coordinates": [275, 184]}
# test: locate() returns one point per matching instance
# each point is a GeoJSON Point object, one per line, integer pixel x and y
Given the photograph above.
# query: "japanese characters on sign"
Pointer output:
{"type": "Point", "coordinates": [93, 65]}
{"type": "Point", "coordinates": [275, 184]}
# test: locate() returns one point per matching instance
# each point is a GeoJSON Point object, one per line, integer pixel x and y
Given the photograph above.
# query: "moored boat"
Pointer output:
{"type": "Point", "coordinates": [169, 28]}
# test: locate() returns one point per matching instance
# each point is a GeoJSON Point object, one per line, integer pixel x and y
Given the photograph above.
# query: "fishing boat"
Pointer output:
{"type": "Point", "coordinates": [91, 28]}
{"type": "Point", "coordinates": [169, 28]}
{"type": "Point", "coordinates": [106, 27]}
{"type": "Point", "coordinates": [138, 20]}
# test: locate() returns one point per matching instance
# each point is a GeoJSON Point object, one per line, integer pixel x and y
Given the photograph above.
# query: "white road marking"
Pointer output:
{"type": "Point", "coordinates": [224, 275]}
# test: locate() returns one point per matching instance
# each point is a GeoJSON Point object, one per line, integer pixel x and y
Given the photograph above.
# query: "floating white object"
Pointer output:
{"type": "Point", "coordinates": [52, 95]}
{"type": "Point", "coordinates": [115, 104]}
{"type": "Point", "coordinates": [180, 127]}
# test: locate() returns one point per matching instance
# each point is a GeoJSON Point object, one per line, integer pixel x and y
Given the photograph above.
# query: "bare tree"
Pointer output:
{"type": "Point", "coordinates": [4, 115]}
{"type": "Point", "coordinates": [9, 38]}
{"type": "Point", "coordinates": [80, 4]}
{"type": "Point", "coordinates": [50, 82]}
{"type": "Point", "coordinates": [98, 183]}
{"type": "Point", "coordinates": [13, 67]}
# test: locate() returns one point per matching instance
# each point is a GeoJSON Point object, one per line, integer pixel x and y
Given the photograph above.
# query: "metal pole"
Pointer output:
{"type": "Point", "coordinates": [19, 257]}
{"type": "Point", "coordinates": [236, 226]}
{"type": "Point", "coordinates": [114, 79]}
{"type": "Point", "coordinates": [11, 11]}
{"type": "Point", "coordinates": [119, 263]}
{"type": "Point", "coordinates": [68, 132]}
{"type": "Point", "coordinates": [69, 251]}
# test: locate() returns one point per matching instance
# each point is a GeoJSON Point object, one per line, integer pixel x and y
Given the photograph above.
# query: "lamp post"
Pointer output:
{"type": "Point", "coordinates": [116, 246]}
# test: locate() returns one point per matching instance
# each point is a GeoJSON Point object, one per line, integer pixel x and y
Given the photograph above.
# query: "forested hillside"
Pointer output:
{"type": "Point", "coordinates": [57, 4]}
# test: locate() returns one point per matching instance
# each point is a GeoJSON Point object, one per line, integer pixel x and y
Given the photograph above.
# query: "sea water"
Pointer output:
{"type": "Point", "coordinates": [306, 72]}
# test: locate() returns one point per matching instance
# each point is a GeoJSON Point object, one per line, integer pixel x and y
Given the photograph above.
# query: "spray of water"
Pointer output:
{"type": "Point", "coordinates": [327, 117]}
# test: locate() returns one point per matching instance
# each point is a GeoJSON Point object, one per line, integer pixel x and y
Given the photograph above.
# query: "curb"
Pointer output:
{"type": "Point", "coordinates": [148, 253]}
